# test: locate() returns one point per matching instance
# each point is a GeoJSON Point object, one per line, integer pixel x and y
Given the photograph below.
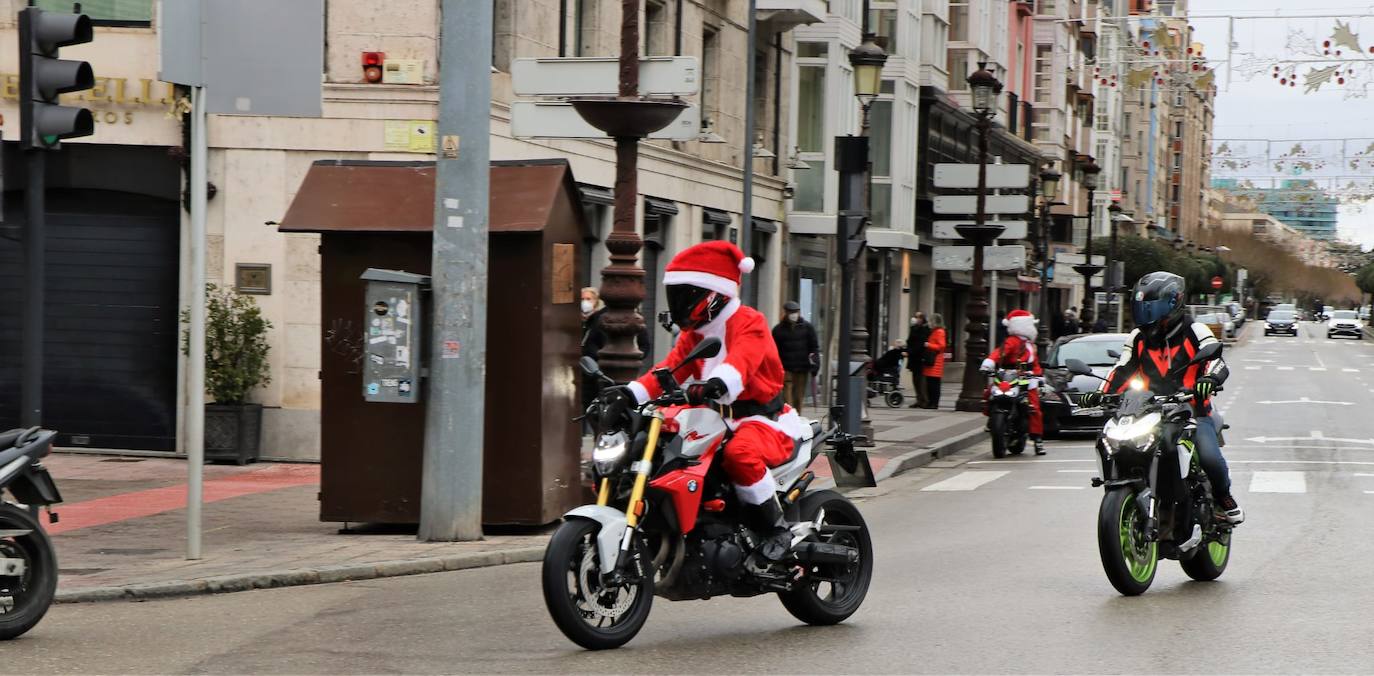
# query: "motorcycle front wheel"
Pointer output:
{"type": "Point", "coordinates": [1128, 559]}
{"type": "Point", "coordinates": [591, 614]}
{"type": "Point", "coordinates": [25, 598]}
{"type": "Point", "coordinates": [832, 592]}
{"type": "Point", "coordinates": [997, 429]}
{"type": "Point", "coordinates": [1209, 562]}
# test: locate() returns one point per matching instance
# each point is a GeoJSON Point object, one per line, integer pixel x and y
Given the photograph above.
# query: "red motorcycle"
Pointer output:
{"type": "Point", "coordinates": [681, 535]}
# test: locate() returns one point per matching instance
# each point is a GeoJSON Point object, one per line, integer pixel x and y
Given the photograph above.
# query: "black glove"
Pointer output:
{"type": "Point", "coordinates": [701, 393]}
{"type": "Point", "coordinates": [614, 403]}
{"type": "Point", "coordinates": [1205, 387]}
{"type": "Point", "coordinates": [1091, 399]}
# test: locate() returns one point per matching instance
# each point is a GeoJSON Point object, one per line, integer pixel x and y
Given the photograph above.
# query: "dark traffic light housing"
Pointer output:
{"type": "Point", "coordinates": [43, 77]}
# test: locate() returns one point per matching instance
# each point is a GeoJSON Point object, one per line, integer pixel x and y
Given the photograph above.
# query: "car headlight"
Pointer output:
{"type": "Point", "coordinates": [1138, 432]}
{"type": "Point", "coordinates": [610, 449]}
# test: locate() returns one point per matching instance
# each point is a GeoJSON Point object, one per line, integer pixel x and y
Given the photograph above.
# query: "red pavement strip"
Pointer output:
{"type": "Point", "coordinates": [139, 504]}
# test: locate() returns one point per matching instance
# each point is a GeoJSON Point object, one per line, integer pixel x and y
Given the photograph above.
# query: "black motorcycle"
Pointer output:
{"type": "Point", "coordinates": [1009, 410]}
{"type": "Point", "coordinates": [28, 563]}
{"type": "Point", "coordinates": [1158, 501]}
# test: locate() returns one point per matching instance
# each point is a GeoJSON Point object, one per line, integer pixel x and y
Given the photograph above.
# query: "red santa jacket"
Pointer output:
{"type": "Point", "coordinates": [748, 362]}
{"type": "Point", "coordinates": [1015, 351]}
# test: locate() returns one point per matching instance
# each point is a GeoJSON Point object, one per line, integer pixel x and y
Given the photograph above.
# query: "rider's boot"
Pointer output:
{"type": "Point", "coordinates": [1039, 445]}
{"type": "Point", "coordinates": [1230, 510]}
{"type": "Point", "coordinates": [770, 526]}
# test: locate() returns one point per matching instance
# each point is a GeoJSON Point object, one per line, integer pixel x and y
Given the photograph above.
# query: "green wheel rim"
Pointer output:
{"type": "Point", "coordinates": [1141, 558]}
{"type": "Point", "coordinates": [1218, 552]}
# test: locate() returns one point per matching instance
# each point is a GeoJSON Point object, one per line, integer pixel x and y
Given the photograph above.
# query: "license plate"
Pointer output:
{"type": "Point", "coordinates": [1096, 412]}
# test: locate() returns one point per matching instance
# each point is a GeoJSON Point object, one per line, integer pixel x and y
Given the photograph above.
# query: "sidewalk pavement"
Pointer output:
{"type": "Point", "coordinates": [122, 530]}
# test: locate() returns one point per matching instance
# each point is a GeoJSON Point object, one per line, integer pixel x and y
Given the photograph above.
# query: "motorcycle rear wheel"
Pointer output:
{"type": "Point", "coordinates": [997, 429]}
{"type": "Point", "coordinates": [1128, 560]}
{"type": "Point", "coordinates": [834, 600]}
{"type": "Point", "coordinates": [25, 599]}
{"type": "Point", "coordinates": [577, 602]}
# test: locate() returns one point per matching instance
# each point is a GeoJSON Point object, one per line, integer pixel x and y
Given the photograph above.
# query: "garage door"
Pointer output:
{"type": "Point", "coordinates": [111, 313]}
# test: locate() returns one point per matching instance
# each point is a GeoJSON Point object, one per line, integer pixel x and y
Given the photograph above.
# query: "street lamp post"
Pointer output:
{"type": "Point", "coordinates": [1088, 269]}
{"type": "Point", "coordinates": [851, 159]}
{"type": "Point", "coordinates": [1049, 189]}
{"type": "Point", "coordinates": [985, 88]}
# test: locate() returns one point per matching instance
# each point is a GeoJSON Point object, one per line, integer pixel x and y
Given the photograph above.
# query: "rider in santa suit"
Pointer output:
{"type": "Point", "coordinates": [1017, 349]}
{"type": "Point", "coordinates": [702, 285]}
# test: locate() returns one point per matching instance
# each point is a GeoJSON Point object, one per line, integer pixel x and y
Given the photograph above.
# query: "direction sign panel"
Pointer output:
{"type": "Point", "coordinates": [1000, 176]}
{"type": "Point", "coordinates": [600, 76]}
{"type": "Point", "coordinates": [945, 229]}
{"type": "Point", "coordinates": [994, 257]}
{"type": "Point", "coordinates": [552, 119]}
{"type": "Point", "coordinates": [964, 205]}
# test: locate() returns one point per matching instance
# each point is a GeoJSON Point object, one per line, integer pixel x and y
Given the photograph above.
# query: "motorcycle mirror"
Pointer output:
{"type": "Point", "coordinates": [706, 349]}
{"type": "Point", "coordinates": [1207, 353]}
{"type": "Point", "coordinates": [1078, 367]}
{"type": "Point", "coordinates": [589, 366]}
{"type": "Point", "coordinates": [1114, 354]}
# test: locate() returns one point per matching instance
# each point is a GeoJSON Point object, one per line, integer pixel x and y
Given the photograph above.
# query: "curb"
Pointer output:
{"type": "Point", "coordinates": [920, 457]}
{"type": "Point", "coordinates": [299, 576]}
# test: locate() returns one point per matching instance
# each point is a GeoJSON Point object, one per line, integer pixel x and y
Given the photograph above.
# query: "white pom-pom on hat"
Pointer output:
{"type": "Point", "coordinates": [746, 265]}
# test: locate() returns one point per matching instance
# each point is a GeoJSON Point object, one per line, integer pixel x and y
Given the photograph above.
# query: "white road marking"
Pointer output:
{"type": "Point", "coordinates": [1369, 492]}
{"type": "Point", "coordinates": [965, 481]}
{"type": "Point", "coordinates": [1285, 368]}
{"type": "Point", "coordinates": [1252, 368]}
{"type": "Point", "coordinates": [1305, 400]}
{"type": "Point", "coordinates": [1363, 474]}
{"type": "Point", "coordinates": [1278, 482]}
{"type": "Point", "coordinates": [1091, 471]}
{"type": "Point", "coordinates": [1057, 488]}
{"type": "Point", "coordinates": [1350, 370]}
{"type": "Point", "coordinates": [1316, 368]}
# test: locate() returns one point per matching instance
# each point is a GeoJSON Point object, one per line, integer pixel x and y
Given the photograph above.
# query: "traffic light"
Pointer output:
{"type": "Point", "coordinates": [43, 77]}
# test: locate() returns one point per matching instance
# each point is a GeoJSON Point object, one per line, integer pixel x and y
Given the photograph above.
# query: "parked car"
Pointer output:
{"type": "Point", "coordinates": [1237, 313]}
{"type": "Point", "coordinates": [1325, 313]}
{"type": "Point", "coordinates": [1344, 323]}
{"type": "Point", "coordinates": [1062, 390]}
{"type": "Point", "coordinates": [1364, 313]}
{"type": "Point", "coordinates": [1220, 323]}
{"type": "Point", "coordinates": [1281, 321]}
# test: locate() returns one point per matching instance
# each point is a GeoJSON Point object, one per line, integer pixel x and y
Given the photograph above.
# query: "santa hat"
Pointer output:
{"type": "Point", "coordinates": [715, 265]}
{"type": "Point", "coordinates": [1014, 314]}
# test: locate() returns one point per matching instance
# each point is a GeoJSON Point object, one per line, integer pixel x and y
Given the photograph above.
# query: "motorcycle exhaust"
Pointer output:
{"type": "Point", "coordinates": [824, 552]}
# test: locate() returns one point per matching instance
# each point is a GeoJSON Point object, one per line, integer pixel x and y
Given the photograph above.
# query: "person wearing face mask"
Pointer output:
{"type": "Point", "coordinates": [916, 358]}
{"type": "Point", "coordinates": [593, 339]}
{"type": "Point", "coordinates": [798, 348]}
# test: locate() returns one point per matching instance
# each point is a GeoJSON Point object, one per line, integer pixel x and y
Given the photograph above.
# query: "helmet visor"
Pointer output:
{"type": "Point", "coordinates": [683, 303]}
{"type": "Point", "coordinates": [1147, 312]}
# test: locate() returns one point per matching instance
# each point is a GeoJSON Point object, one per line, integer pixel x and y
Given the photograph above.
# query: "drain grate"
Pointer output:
{"type": "Point", "coordinates": [80, 571]}
{"type": "Point", "coordinates": [125, 551]}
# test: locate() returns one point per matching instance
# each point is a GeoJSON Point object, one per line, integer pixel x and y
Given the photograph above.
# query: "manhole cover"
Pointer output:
{"type": "Point", "coordinates": [125, 551]}
{"type": "Point", "coordinates": [80, 571]}
{"type": "Point", "coordinates": [123, 460]}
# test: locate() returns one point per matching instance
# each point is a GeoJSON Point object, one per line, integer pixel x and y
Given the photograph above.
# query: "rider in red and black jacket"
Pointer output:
{"type": "Point", "coordinates": [1165, 338]}
{"type": "Point", "coordinates": [1018, 349]}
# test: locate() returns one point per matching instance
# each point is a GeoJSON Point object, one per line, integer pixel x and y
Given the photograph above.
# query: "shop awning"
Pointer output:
{"type": "Point", "coordinates": [364, 196]}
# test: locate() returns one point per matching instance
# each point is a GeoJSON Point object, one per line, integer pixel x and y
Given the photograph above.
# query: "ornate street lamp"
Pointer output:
{"type": "Point", "coordinates": [868, 60]}
{"type": "Point", "coordinates": [1049, 190]}
{"type": "Point", "coordinates": [1087, 268]}
{"type": "Point", "coordinates": [985, 88]}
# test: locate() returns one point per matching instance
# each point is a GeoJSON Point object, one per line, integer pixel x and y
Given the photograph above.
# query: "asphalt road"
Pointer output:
{"type": "Point", "coordinates": [1003, 577]}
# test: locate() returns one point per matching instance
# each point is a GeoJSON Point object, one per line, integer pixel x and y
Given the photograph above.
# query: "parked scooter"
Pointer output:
{"type": "Point", "coordinates": [28, 563]}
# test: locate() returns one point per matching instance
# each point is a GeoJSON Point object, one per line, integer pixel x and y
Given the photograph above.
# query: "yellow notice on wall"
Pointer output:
{"type": "Point", "coordinates": [409, 136]}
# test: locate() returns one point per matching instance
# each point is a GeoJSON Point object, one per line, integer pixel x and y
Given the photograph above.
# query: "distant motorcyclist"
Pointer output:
{"type": "Point", "coordinates": [1018, 349]}
{"type": "Point", "coordinates": [1165, 338]}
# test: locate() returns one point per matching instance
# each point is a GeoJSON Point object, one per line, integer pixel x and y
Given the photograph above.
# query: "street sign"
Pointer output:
{"type": "Point", "coordinates": [1064, 263]}
{"type": "Point", "coordinates": [554, 119]}
{"type": "Point", "coordinates": [1000, 176]}
{"type": "Point", "coordinates": [600, 76]}
{"type": "Point", "coordinates": [945, 229]}
{"type": "Point", "coordinates": [964, 205]}
{"type": "Point", "coordinates": [994, 257]}
{"type": "Point", "coordinates": [1217, 282]}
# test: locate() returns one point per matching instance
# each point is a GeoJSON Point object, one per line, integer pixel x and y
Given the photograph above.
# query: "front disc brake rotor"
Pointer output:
{"type": "Point", "coordinates": [608, 603]}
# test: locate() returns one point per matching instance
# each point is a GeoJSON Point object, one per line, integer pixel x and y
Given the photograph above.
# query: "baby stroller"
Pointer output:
{"type": "Point", "coordinates": [885, 378]}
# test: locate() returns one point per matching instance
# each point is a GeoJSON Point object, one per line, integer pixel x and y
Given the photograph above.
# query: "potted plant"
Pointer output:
{"type": "Point", "coordinates": [235, 363]}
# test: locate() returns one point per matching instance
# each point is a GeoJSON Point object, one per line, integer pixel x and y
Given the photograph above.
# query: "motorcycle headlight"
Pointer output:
{"type": "Point", "coordinates": [610, 449]}
{"type": "Point", "coordinates": [1137, 432]}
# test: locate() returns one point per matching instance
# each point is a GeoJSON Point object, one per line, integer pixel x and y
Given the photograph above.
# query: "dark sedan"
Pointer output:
{"type": "Point", "coordinates": [1062, 389]}
{"type": "Point", "coordinates": [1281, 321]}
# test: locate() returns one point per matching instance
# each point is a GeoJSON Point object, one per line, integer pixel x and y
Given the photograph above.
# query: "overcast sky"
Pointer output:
{"type": "Point", "coordinates": [1259, 108]}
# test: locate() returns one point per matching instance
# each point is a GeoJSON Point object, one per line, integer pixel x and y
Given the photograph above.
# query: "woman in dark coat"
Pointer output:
{"type": "Point", "coordinates": [915, 357]}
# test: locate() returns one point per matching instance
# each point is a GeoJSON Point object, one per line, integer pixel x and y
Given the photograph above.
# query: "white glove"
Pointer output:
{"type": "Point", "coordinates": [1034, 384]}
{"type": "Point", "coordinates": [988, 366]}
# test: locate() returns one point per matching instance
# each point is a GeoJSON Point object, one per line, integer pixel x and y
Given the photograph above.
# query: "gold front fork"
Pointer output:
{"type": "Point", "coordinates": [642, 474]}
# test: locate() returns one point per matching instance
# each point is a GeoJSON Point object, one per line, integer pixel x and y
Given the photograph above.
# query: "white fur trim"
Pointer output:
{"type": "Point", "coordinates": [746, 265]}
{"type": "Point", "coordinates": [704, 280]}
{"type": "Point", "coordinates": [1022, 326]}
{"type": "Point", "coordinates": [734, 382]}
{"type": "Point", "coordinates": [760, 491]}
{"type": "Point", "coordinates": [641, 393]}
{"type": "Point", "coordinates": [788, 423]}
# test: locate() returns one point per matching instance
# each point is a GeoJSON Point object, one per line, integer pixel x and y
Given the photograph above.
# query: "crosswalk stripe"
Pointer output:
{"type": "Point", "coordinates": [1350, 370]}
{"type": "Point", "coordinates": [1057, 488]}
{"type": "Point", "coordinates": [1278, 482]}
{"type": "Point", "coordinates": [1316, 368]}
{"type": "Point", "coordinates": [1253, 368]}
{"type": "Point", "coordinates": [966, 481]}
{"type": "Point", "coordinates": [1285, 368]}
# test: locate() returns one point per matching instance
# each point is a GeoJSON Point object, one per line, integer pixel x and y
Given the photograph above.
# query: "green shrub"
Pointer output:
{"type": "Point", "coordinates": [235, 345]}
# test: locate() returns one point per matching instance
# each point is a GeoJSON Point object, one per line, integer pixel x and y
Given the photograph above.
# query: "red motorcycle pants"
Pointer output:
{"type": "Point", "coordinates": [1037, 417]}
{"type": "Point", "coordinates": [750, 452]}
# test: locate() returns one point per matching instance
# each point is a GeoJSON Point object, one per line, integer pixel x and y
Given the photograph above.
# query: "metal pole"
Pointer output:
{"type": "Point", "coordinates": [859, 342]}
{"type": "Point", "coordinates": [35, 273]}
{"type": "Point", "coordinates": [1043, 339]}
{"type": "Point", "coordinates": [992, 309]}
{"type": "Point", "coordinates": [451, 483]}
{"type": "Point", "coordinates": [976, 344]}
{"type": "Point", "coordinates": [749, 286]}
{"type": "Point", "coordinates": [195, 359]}
{"type": "Point", "coordinates": [1089, 299]}
{"type": "Point", "coordinates": [851, 160]}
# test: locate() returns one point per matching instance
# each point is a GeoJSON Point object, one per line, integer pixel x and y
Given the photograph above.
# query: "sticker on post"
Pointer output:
{"type": "Point", "coordinates": [376, 358]}
{"type": "Point", "coordinates": [403, 387]}
{"type": "Point", "coordinates": [450, 350]}
{"type": "Point", "coordinates": [390, 382]}
{"type": "Point", "coordinates": [373, 388]}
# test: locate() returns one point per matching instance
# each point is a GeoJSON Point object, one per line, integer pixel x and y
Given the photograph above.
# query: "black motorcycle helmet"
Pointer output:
{"type": "Point", "coordinates": [693, 306]}
{"type": "Point", "coordinates": [1158, 303]}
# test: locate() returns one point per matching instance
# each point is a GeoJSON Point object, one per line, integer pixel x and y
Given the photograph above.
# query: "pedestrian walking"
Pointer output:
{"type": "Point", "coordinates": [917, 357]}
{"type": "Point", "coordinates": [593, 339]}
{"type": "Point", "coordinates": [1071, 327]}
{"type": "Point", "coordinates": [935, 372]}
{"type": "Point", "coordinates": [799, 350]}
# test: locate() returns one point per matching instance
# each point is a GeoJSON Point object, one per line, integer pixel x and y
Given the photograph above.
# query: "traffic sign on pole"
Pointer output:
{"type": "Point", "coordinates": [999, 176]}
{"type": "Point", "coordinates": [964, 205]}
{"type": "Point", "coordinates": [598, 76]}
{"type": "Point", "coordinates": [960, 257]}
